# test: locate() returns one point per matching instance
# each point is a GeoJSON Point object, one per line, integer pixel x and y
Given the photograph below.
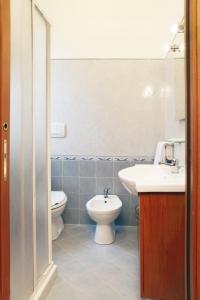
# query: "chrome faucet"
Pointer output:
{"type": "Point", "coordinates": [174, 163]}
{"type": "Point", "coordinates": [169, 158]}
{"type": "Point", "coordinates": [170, 162]}
{"type": "Point", "coordinates": [106, 192]}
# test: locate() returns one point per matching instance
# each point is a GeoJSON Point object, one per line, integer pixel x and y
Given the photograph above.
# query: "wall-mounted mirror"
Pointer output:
{"type": "Point", "coordinates": [176, 55]}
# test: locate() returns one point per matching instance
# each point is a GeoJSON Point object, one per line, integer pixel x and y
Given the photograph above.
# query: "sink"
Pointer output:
{"type": "Point", "coordinates": [152, 178]}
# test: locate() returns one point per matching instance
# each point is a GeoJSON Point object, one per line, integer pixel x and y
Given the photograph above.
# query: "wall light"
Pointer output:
{"type": "Point", "coordinates": [148, 91]}
{"type": "Point", "coordinates": [177, 28]}
{"type": "Point", "coordinates": [174, 28]}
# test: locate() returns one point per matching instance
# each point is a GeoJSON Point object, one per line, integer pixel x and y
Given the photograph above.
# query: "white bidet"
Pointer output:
{"type": "Point", "coordinates": [104, 211]}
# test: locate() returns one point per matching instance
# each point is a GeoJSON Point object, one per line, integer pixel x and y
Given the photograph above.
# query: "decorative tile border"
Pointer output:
{"type": "Point", "coordinates": [136, 159]}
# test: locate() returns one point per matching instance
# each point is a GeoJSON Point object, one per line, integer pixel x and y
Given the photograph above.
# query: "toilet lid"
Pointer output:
{"type": "Point", "coordinates": [58, 198]}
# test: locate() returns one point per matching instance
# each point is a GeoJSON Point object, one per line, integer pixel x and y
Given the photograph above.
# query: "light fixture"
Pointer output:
{"type": "Point", "coordinates": [175, 48]}
{"type": "Point", "coordinates": [148, 91]}
{"type": "Point", "coordinates": [174, 28]}
{"type": "Point", "coordinates": [177, 28]}
{"type": "Point", "coordinates": [181, 27]}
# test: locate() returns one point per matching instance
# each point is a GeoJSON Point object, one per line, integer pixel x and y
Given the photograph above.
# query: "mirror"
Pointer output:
{"type": "Point", "coordinates": [176, 55]}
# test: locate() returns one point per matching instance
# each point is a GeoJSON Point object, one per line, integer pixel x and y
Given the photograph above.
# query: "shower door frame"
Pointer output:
{"type": "Point", "coordinates": [4, 147]}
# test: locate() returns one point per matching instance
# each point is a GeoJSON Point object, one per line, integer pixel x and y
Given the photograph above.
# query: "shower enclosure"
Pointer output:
{"type": "Point", "coordinates": [31, 257]}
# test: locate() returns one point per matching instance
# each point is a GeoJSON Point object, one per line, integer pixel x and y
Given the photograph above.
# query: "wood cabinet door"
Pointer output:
{"type": "Point", "coordinates": [162, 245]}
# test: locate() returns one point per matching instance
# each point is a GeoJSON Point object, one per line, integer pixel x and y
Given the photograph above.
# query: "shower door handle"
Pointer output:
{"type": "Point", "coordinates": [5, 160]}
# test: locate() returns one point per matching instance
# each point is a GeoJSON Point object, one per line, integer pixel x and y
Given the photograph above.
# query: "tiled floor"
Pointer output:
{"type": "Point", "coordinates": [87, 271]}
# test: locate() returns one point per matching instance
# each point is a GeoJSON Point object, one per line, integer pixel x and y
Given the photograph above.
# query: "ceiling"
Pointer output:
{"type": "Point", "coordinates": [111, 28]}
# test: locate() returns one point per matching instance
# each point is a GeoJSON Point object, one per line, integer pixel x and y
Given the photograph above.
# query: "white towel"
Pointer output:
{"type": "Point", "coordinates": [160, 152]}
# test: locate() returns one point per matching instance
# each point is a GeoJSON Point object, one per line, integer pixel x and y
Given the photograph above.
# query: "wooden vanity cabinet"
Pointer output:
{"type": "Point", "coordinates": [162, 245]}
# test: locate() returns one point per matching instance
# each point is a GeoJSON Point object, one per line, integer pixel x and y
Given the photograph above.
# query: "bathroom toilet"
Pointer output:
{"type": "Point", "coordinates": [104, 212]}
{"type": "Point", "coordinates": [58, 203]}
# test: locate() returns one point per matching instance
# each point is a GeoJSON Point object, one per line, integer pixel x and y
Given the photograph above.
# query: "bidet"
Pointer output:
{"type": "Point", "coordinates": [104, 211]}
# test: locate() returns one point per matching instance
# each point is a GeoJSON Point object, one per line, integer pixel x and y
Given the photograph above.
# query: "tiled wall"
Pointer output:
{"type": "Point", "coordinates": [173, 126]}
{"type": "Point", "coordinates": [81, 178]}
{"type": "Point", "coordinates": [112, 107]}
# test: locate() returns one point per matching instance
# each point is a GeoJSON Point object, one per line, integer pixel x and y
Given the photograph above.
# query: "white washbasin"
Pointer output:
{"type": "Point", "coordinates": [152, 178]}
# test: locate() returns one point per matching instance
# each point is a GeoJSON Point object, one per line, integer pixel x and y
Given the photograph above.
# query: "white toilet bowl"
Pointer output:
{"type": "Point", "coordinates": [104, 211]}
{"type": "Point", "coordinates": [58, 202]}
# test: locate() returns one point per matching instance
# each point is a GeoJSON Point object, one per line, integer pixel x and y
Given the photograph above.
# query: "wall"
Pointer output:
{"type": "Point", "coordinates": [81, 178]}
{"type": "Point", "coordinates": [110, 107]}
{"type": "Point", "coordinates": [173, 126]}
{"type": "Point", "coordinates": [111, 28]}
{"type": "Point", "coordinates": [106, 87]}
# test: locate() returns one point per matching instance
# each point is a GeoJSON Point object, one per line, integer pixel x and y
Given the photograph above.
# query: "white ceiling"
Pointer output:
{"type": "Point", "coordinates": [111, 28]}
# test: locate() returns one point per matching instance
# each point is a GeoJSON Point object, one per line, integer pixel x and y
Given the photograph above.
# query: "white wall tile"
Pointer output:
{"type": "Point", "coordinates": [106, 108]}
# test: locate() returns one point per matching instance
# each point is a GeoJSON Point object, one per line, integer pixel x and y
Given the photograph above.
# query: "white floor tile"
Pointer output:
{"type": "Point", "coordinates": [87, 271]}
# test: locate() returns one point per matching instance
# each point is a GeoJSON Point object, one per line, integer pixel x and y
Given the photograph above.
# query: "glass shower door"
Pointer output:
{"type": "Point", "coordinates": [41, 108]}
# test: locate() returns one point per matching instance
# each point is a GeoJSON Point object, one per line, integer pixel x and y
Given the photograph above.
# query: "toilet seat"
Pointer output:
{"type": "Point", "coordinates": [58, 199]}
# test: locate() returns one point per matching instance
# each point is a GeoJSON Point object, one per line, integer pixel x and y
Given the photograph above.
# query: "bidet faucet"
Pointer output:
{"type": "Point", "coordinates": [106, 192]}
